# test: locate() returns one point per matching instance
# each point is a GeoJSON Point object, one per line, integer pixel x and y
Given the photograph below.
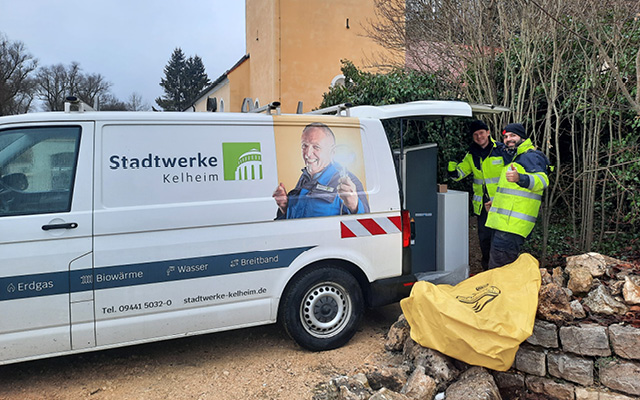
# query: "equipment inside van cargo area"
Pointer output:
{"type": "Point", "coordinates": [122, 228]}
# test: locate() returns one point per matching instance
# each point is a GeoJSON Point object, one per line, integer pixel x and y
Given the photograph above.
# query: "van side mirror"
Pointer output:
{"type": "Point", "coordinates": [16, 182]}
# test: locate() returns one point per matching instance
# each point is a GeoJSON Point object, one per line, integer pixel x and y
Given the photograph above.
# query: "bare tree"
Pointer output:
{"type": "Point", "coordinates": [569, 71]}
{"type": "Point", "coordinates": [17, 88]}
{"type": "Point", "coordinates": [136, 103]}
{"type": "Point", "coordinates": [615, 45]}
{"type": "Point", "coordinates": [56, 82]}
{"type": "Point", "coordinates": [92, 88]}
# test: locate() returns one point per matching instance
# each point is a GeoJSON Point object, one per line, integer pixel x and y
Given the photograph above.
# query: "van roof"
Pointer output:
{"type": "Point", "coordinates": [425, 109]}
{"type": "Point", "coordinates": [415, 109]}
{"type": "Point", "coordinates": [132, 116]}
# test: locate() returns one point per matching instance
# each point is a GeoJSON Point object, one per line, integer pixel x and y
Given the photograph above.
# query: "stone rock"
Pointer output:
{"type": "Point", "coordinates": [346, 388]}
{"type": "Point", "coordinates": [600, 301]}
{"type": "Point", "coordinates": [557, 276]}
{"type": "Point", "coordinates": [580, 280]}
{"type": "Point", "coordinates": [586, 340]}
{"type": "Point", "coordinates": [596, 263]}
{"type": "Point", "coordinates": [544, 334]}
{"type": "Point", "coordinates": [571, 368]}
{"type": "Point", "coordinates": [615, 287]}
{"type": "Point", "coordinates": [631, 291]}
{"type": "Point", "coordinates": [623, 376]}
{"type": "Point", "coordinates": [436, 365]}
{"type": "Point", "coordinates": [386, 394]}
{"type": "Point", "coordinates": [550, 388]}
{"type": "Point", "coordinates": [553, 304]}
{"type": "Point", "coordinates": [474, 384]}
{"type": "Point", "coordinates": [397, 335]}
{"type": "Point", "coordinates": [625, 341]}
{"type": "Point", "coordinates": [625, 272]}
{"type": "Point", "coordinates": [511, 384]}
{"type": "Point", "coordinates": [390, 376]}
{"type": "Point", "coordinates": [593, 394]}
{"type": "Point", "coordinates": [577, 309]}
{"type": "Point", "coordinates": [545, 276]}
{"type": "Point", "coordinates": [531, 361]}
{"type": "Point", "coordinates": [419, 386]}
{"type": "Point", "coordinates": [362, 378]}
{"type": "Point", "coordinates": [346, 394]}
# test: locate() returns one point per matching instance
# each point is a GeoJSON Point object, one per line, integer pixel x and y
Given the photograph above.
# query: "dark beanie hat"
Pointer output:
{"type": "Point", "coordinates": [518, 129]}
{"type": "Point", "coordinates": [476, 125]}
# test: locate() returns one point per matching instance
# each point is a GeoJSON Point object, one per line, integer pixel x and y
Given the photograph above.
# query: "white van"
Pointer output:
{"type": "Point", "coordinates": [122, 228]}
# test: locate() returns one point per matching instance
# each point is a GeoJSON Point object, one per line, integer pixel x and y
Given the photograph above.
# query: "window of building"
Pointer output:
{"type": "Point", "coordinates": [212, 104]}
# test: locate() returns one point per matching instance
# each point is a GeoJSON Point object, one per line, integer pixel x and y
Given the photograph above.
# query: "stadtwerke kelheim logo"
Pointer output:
{"type": "Point", "coordinates": [242, 161]}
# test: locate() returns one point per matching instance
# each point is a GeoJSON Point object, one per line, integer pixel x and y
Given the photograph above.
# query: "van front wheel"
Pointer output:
{"type": "Point", "coordinates": [322, 308]}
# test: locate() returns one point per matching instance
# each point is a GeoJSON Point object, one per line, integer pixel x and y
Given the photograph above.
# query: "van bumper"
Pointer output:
{"type": "Point", "coordinates": [390, 290]}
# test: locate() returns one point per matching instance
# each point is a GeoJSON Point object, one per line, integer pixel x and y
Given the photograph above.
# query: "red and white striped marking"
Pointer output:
{"type": "Point", "coordinates": [370, 226]}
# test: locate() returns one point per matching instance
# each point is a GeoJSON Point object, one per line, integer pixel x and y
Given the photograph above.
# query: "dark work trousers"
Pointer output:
{"type": "Point", "coordinates": [505, 248]}
{"type": "Point", "coordinates": [485, 236]}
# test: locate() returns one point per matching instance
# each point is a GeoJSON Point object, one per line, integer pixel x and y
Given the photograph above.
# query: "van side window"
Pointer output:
{"type": "Point", "coordinates": [37, 169]}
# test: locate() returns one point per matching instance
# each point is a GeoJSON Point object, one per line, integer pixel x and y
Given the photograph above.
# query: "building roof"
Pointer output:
{"type": "Point", "coordinates": [219, 80]}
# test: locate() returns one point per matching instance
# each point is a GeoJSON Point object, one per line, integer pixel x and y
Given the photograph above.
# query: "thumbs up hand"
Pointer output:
{"type": "Point", "coordinates": [280, 194]}
{"type": "Point", "coordinates": [348, 193]}
{"type": "Point", "coordinates": [512, 174]}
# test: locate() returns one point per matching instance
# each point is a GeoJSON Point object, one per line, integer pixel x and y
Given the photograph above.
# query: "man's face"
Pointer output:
{"type": "Point", "coordinates": [511, 140]}
{"type": "Point", "coordinates": [317, 150]}
{"type": "Point", "coordinates": [481, 137]}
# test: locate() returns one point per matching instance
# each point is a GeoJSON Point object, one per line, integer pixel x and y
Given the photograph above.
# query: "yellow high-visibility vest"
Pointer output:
{"type": "Point", "coordinates": [515, 209]}
{"type": "Point", "coordinates": [488, 175]}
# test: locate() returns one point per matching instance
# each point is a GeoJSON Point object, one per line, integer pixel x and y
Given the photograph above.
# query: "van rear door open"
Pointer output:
{"type": "Point", "coordinates": [416, 168]}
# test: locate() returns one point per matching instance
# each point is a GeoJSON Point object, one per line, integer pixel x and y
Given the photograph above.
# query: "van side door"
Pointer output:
{"type": "Point", "coordinates": [45, 228]}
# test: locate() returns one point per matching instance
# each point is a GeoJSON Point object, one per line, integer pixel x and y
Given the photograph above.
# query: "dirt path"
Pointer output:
{"type": "Point", "coordinates": [253, 363]}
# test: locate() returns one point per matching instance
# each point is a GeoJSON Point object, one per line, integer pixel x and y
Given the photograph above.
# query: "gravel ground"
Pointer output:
{"type": "Point", "coordinates": [252, 363]}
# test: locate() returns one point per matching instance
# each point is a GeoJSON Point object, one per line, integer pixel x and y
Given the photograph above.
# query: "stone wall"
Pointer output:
{"type": "Point", "coordinates": [586, 340]}
{"type": "Point", "coordinates": [585, 346]}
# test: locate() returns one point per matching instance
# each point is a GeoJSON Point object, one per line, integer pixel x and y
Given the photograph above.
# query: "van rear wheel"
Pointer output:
{"type": "Point", "coordinates": [322, 308]}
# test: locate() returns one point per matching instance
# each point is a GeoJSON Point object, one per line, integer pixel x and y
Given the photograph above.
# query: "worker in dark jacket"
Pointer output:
{"type": "Point", "coordinates": [515, 207]}
{"type": "Point", "coordinates": [485, 161]}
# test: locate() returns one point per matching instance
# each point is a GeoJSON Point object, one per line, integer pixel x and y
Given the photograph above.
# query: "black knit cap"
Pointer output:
{"type": "Point", "coordinates": [518, 129]}
{"type": "Point", "coordinates": [476, 125]}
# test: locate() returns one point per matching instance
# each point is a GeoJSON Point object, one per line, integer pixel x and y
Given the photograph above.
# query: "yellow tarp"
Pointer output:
{"type": "Point", "coordinates": [483, 319]}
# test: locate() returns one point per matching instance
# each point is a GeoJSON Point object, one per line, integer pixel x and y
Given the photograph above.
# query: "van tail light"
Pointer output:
{"type": "Point", "coordinates": [406, 228]}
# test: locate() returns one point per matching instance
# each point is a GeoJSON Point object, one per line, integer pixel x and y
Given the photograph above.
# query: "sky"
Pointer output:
{"type": "Point", "coordinates": [128, 42]}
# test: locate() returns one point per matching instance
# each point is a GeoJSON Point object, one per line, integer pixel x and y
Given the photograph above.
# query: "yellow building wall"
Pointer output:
{"type": "Point", "coordinates": [262, 41]}
{"type": "Point", "coordinates": [239, 87]}
{"type": "Point", "coordinates": [232, 90]}
{"type": "Point", "coordinates": [296, 47]}
{"type": "Point", "coordinates": [223, 93]}
{"type": "Point", "coordinates": [201, 104]}
{"type": "Point", "coordinates": [315, 37]}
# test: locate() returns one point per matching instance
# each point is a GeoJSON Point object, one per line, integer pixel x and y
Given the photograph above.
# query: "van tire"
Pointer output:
{"type": "Point", "coordinates": [322, 308]}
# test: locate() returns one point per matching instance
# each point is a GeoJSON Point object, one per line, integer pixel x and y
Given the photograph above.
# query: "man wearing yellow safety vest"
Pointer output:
{"type": "Point", "coordinates": [514, 210]}
{"type": "Point", "coordinates": [485, 161]}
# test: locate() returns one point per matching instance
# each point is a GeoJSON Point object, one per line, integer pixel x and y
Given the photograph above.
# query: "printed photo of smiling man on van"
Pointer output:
{"type": "Point", "coordinates": [325, 187]}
